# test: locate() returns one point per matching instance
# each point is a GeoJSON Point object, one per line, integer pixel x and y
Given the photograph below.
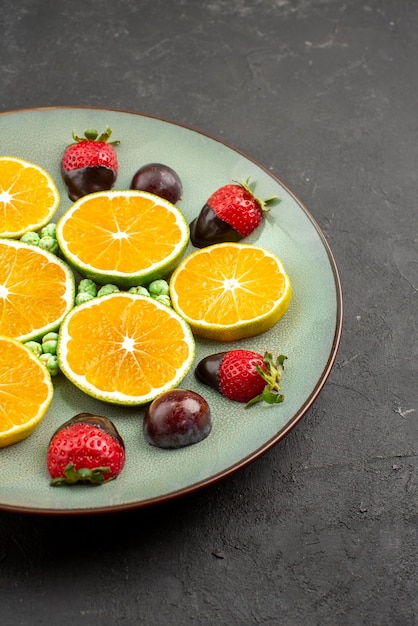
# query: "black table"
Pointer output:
{"type": "Point", "coordinates": [323, 528]}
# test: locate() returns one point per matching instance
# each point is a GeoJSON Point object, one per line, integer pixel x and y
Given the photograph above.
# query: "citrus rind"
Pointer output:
{"type": "Point", "coordinates": [17, 386]}
{"type": "Point", "coordinates": [142, 343]}
{"type": "Point", "coordinates": [6, 198]}
{"type": "Point", "coordinates": [100, 269]}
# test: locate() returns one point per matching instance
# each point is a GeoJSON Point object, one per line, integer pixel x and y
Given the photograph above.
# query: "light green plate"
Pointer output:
{"type": "Point", "coordinates": [309, 333]}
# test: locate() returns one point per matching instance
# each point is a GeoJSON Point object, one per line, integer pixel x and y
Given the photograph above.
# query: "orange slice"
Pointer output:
{"type": "Point", "coordinates": [230, 291]}
{"type": "Point", "coordinates": [125, 348]}
{"type": "Point", "coordinates": [28, 197]}
{"type": "Point", "coordinates": [127, 238]}
{"type": "Point", "coordinates": [25, 391]}
{"type": "Point", "coordinates": [36, 290]}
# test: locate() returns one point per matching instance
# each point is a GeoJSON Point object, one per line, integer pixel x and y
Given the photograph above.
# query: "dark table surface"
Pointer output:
{"type": "Point", "coordinates": [322, 529]}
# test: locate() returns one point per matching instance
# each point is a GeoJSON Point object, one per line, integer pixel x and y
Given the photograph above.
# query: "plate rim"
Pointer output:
{"type": "Point", "coordinates": [309, 401]}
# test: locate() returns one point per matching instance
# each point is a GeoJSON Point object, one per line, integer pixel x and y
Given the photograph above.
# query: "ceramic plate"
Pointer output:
{"type": "Point", "coordinates": [309, 333]}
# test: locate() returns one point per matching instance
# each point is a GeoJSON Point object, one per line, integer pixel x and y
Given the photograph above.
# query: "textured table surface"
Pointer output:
{"type": "Point", "coordinates": [322, 529]}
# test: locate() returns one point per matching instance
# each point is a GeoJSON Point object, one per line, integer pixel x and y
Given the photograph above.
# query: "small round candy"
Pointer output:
{"type": "Point", "coordinates": [51, 361]}
{"type": "Point", "coordinates": [159, 287]}
{"type": "Point", "coordinates": [166, 300]}
{"type": "Point", "coordinates": [141, 291]}
{"type": "Point", "coordinates": [86, 285]}
{"type": "Point", "coordinates": [34, 346]}
{"type": "Point", "coordinates": [48, 243]}
{"type": "Point", "coordinates": [159, 179]}
{"type": "Point", "coordinates": [49, 230]}
{"type": "Point", "coordinates": [83, 296]}
{"type": "Point", "coordinates": [107, 289]}
{"type": "Point", "coordinates": [49, 343]}
{"type": "Point", "coordinates": [177, 418]}
{"type": "Point", "coordinates": [31, 238]}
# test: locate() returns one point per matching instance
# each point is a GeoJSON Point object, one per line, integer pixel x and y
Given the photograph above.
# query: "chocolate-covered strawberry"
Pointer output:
{"type": "Point", "coordinates": [243, 375]}
{"type": "Point", "coordinates": [231, 213]}
{"type": "Point", "coordinates": [90, 163]}
{"type": "Point", "coordinates": [85, 449]}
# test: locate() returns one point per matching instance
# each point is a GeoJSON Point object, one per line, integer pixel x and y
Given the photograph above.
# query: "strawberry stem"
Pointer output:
{"type": "Point", "coordinates": [72, 476]}
{"type": "Point", "coordinates": [265, 204]}
{"type": "Point", "coordinates": [272, 373]}
{"type": "Point", "coordinates": [92, 134]}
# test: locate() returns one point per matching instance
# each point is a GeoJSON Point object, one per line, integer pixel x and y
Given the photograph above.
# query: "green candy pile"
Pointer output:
{"type": "Point", "coordinates": [158, 289]}
{"type": "Point", "coordinates": [45, 239]}
{"type": "Point", "coordinates": [46, 350]}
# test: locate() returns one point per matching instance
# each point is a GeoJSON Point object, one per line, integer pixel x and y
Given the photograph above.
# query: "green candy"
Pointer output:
{"type": "Point", "coordinates": [34, 347]}
{"type": "Point", "coordinates": [86, 285]}
{"type": "Point", "coordinates": [49, 343]}
{"type": "Point", "coordinates": [164, 300]}
{"type": "Point", "coordinates": [159, 287]}
{"type": "Point", "coordinates": [48, 243]}
{"type": "Point", "coordinates": [51, 362]}
{"type": "Point", "coordinates": [31, 238]}
{"type": "Point", "coordinates": [107, 289]}
{"type": "Point", "coordinates": [49, 230]}
{"type": "Point", "coordinates": [49, 347]}
{"type": "Point", "coordinates": [83, 296]}
{"type": "Point", "coordinates": [141, 291]}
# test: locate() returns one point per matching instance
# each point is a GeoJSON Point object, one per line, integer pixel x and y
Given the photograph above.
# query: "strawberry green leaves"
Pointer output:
{"type": "Point", "coordinates": [92, 134]}
{"type": "Point", "coordinates": [71, 476]}
{"type": "Point", "coordinates": [271, 372]}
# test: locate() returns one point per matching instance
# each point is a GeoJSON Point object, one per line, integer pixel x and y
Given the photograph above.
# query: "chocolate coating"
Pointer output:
{"type": "Point", "coordinates": [104, 423]}
{"type": "Point", "coordinates": [87, 180]}
{"type": "Point", "coordinates": [176, 419]}
{"type": "Point", "coordinates": [207, 370]}
{"type": "Point", "coordinates": [159, 179]}
{"type": "Point", "coordinates": [208, 229]}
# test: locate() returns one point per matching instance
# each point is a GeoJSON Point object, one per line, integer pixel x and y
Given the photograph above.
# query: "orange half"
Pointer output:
{"type": "Point", "coordinates": [28, 197]}
{"type": "Point", "coordinates": [127, 238]}
{"type": "Point", "coordinates": [125, 348]}
{"type": "Point", "coordinates": [25, 391]}
{"type": "Point", "coordinates": [36, 290]}
{"type": "Point", "coordinates": [230, 291]}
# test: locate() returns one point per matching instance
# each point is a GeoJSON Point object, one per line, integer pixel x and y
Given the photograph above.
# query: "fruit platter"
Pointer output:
{"type": "Point", "coordinates": [182, 310]}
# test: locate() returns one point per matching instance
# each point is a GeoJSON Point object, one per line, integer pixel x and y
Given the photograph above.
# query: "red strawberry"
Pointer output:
{"type": "Point", "coordinates": [90, 164]}
{"type": "Point", "coordinates": [86, 448]}
{"type": "Point", "coordinates": [231, 213]}
{"type": "Point", "coordinates": [243, 375]}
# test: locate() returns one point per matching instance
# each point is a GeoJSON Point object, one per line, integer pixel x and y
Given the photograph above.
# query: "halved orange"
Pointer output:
{"type": "Point", "coordinates": [125, 348]}
{"type": "Point", "coordinates": [28, 197]}
{"type": "Point", "coordinates": [229, 291]}
{"type": "Point", "coordinates": [127, 238]}
{"type": "Point", "coordinates": [25, 391]}
{"type": "Point", "coordinates": [36, 290]}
